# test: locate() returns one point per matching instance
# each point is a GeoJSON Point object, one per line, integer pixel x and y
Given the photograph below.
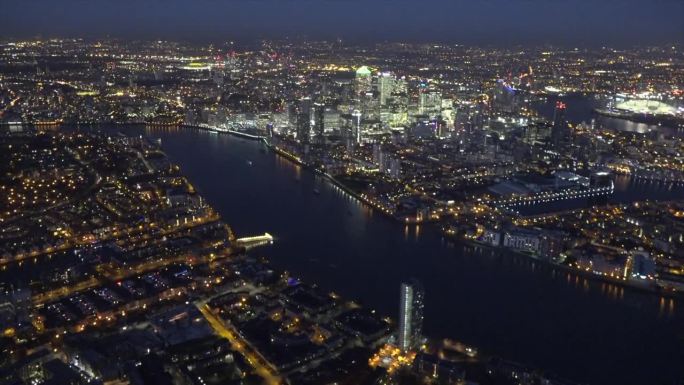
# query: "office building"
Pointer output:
{"type": "Point", "coordinates": [356, 126]}
{"type": "Point", "coordinates": [318, 113]}
{"type": "Point", "coordinates": [363, 81]}
{"type": "Point", "coordinates": [385, 87]}
{"type": "Point", "coordinates": [560, 132]}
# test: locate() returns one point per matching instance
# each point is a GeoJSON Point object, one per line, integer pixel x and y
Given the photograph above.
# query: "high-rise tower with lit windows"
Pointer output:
{"type": "Point", "coordinates": [410, 315]}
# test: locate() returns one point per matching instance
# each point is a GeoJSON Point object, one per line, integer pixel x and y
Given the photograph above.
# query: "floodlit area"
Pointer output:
{"type": "Point", "coordinates": [644, 106]}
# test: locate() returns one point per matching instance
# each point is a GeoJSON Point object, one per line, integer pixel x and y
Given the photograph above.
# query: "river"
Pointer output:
{"type": "Point", "coordinates": [506, 305]}
{"type": "Point", "coordinates": [580, 109]}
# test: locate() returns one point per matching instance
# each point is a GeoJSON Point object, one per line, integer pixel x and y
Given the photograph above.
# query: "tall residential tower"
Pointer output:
{"type": "Point", "coordinates": [410, 315]}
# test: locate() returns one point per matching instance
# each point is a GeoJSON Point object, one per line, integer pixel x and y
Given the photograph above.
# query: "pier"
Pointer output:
{"type": "Point", "coordinates": [255, 241]}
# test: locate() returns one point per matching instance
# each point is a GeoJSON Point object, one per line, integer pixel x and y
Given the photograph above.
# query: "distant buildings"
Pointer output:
{"type": "Point", "coordinates": [15, 304]}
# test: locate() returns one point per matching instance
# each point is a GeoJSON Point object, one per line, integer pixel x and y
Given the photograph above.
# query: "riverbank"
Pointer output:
{"type": "Point", "coordinates": [653, 289]}
{"type": "Point", "coordinates": [297, 160]}
{"type": "Point", "coordinates": [660, 120]}
{"type": "Point", "coordinates": [639, 286]}
{"type": "Point", "coordinates": [335, 240]}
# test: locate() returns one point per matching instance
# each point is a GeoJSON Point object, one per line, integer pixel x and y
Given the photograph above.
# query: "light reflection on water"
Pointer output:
{"type": "Point", "coordinates": [505, 304]}
{"type": "Point", "coordinates": [580, 110]}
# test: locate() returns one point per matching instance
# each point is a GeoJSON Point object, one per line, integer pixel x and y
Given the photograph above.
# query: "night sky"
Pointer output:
{"type": "Point", "coordinates": [491, 22]}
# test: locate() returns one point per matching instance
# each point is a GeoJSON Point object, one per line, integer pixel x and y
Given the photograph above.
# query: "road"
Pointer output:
{"type": "Point", "coordinates": [260, 365]}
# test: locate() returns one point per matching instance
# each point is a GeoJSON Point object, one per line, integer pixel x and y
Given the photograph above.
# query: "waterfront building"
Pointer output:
{"type": "Point", "coordinates": [488, 235]}
{"type": "Point", "coordinates": [523, 240]}
{"type": "Point", "coordinates": [613, 265]}
{"type": "Point", "coordinates": [411, 306]}
{"type": "Point", "coordinates": [642, 265]}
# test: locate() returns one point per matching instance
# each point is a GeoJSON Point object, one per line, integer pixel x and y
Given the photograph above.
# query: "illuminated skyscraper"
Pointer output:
{"type": "Point", "coordinates": [318, 120]}
{"type": "Point", "coordinates": [429, 103]}
{"type": "Point", "coordinates": [410, 315]}
{"type": "Point", "coordinates": [363, 80]}
{"type": "Point", "coordinates": [560, 131]}
{"type": "Point", "coordinates": [331, 120]}
{"type": "Point", "coordinates": [356, 128]}
{"type": "Point", "coordinates": [302, 116]}
{"type": "Point", "coordinates": [385, 87]}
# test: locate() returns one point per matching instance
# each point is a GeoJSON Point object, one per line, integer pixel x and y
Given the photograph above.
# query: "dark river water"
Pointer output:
{"type": "Point", "coordinates": [506, 305]}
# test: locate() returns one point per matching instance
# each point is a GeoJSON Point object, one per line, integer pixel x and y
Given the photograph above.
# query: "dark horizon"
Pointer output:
{"type": "Point", "coordinates": [615, 23]}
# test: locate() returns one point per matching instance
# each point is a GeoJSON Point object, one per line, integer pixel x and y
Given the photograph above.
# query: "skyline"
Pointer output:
{"type": "Point", "coordinates": [493, 22]}
{"type": "Point", "coordinates": [299, 192]}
